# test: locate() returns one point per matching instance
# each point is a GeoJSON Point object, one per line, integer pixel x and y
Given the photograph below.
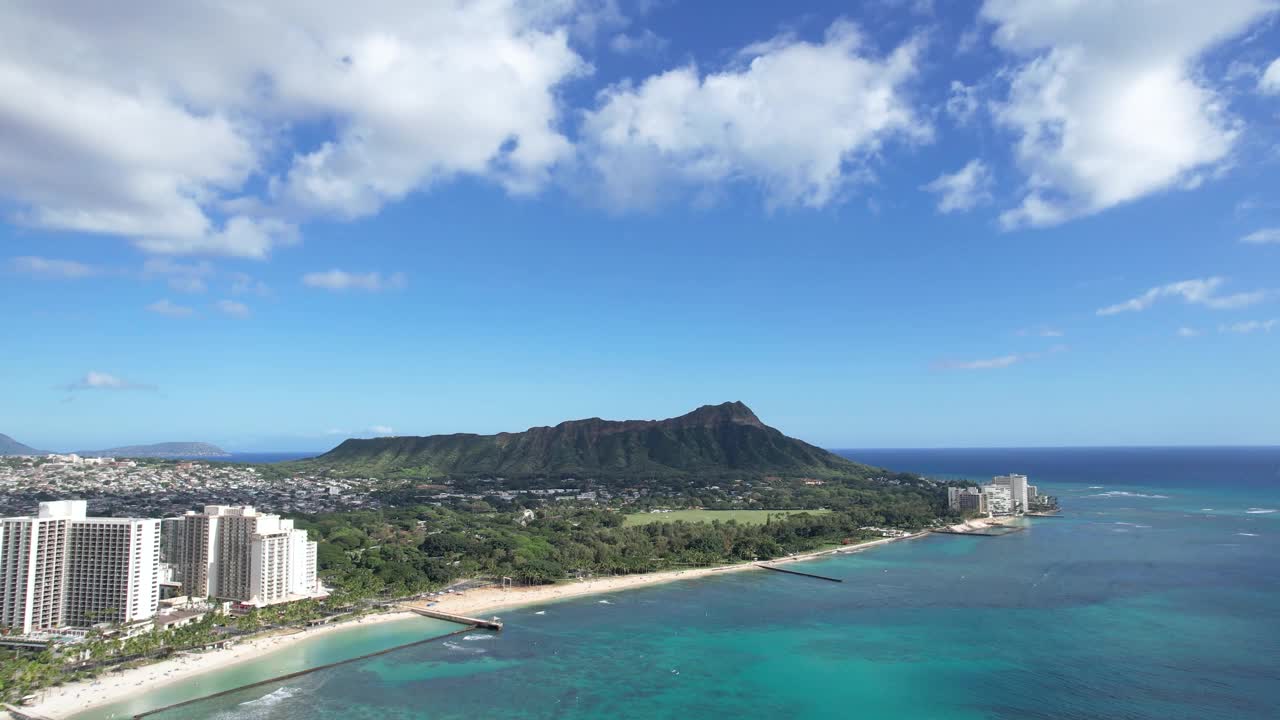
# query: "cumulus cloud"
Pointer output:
{"type": "Point", "coordinates": [95, 380]}
{"type": "Point", "coordinates": [964, 189]}
{"type": "Point", "coordinates": [170, 309]}
{"type": "Point", "coordinates": [1250, 326]}
{"type": "Point", "coordinates": [232, 308]}
{"type": "Point", "coordinates": [1102, 117]}
{"type": "Point", "coordinates": [1187, 332]}
{"type": "Point", "coordinates": [1265, 236]}
{"type": "Point", "coordinates": [382, 430]}
{"type": "Point", "coordinates": [1269, 83]}
{"type": "Point", "coordinates": [50, 267]}
{"type": "Point", "coordinates": [1201, 291]}
{"type": "Point", "coordinates": [800, 120]}
{"type": "Point", "coordinates": [161, 122]}
{"type": "Point", "coordinates": [342, 280]}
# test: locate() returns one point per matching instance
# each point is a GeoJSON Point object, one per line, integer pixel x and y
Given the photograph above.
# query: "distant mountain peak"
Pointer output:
{"type": "Point", "coordinates": [713, 439]}
{"type": "Point", "coordinates": [730, 412]}
{"type": "Point", "coordinates": [9, 446]}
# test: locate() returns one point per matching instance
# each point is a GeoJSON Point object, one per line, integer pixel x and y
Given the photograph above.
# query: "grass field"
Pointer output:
{"type": "Point", "coordinates": [750, 517]}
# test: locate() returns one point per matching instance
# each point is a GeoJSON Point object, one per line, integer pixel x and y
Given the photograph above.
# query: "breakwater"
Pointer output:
{"type": "Point", "coordinates": [300, 673]}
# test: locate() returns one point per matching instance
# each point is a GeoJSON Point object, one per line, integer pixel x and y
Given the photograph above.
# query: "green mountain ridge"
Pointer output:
{"type": "Point", "coordinates": [714, 439]}
{"type": "Point", "coordinates": [9, 446]}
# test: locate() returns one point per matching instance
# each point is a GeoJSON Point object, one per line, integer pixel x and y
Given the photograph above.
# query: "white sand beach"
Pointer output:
{"type": "Point", "coordinates": [115, 686]}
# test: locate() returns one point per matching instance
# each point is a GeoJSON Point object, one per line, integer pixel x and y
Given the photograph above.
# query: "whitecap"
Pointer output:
{"type": "Point", "coordinates": [455, 646]}
{"type": "Point", "coordinates": [1245, 534]}
{"type": "Point", "coordinates": [1132, 524]}
{"type": "Point", "coordinates": [1127, 494]}
{"type": "Point", "coordinates": [473, 638]}
{"type": "Point", "coordinates": [541, 612]}
{"type": "Point", "coordinates": [276, 696]}
{"type": "Point", "coordinates": [605, 602]}
{"type": "Point", "coordinates": [1096, 487]}
{"type": "Point", "coordinates": [1206, 509]}
{"type": "Point", "coordinates": [1259, 511]}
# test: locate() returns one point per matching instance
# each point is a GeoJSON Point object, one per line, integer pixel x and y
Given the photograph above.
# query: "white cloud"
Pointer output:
{"type": "Point", "coordinates": [987, 364]}
{"type": "Point", "coordinates": [1250, 326]}
{"type": "Point", "coordinates": [50, 267]}
{"type": "Point", "coordinates": [1042, 331]}
{"type": "Point", "coordinates": [1187, 332]}
{"type": "Point", "coordinates": [382, 430]}
{"type": "Point", "coordinates": [962, 103]}
{"type": "Point", "coordinates": [800, 120]}
{"type": "Point", "coordinates": [964, 189]}
{"type": "Point", "coordinates": [95, 380]}
{"type": "Point", "coordinates": [1265, 236]}
{"type": "Point", "coordinates": [343, 280]}
{"type": "Point", "coordinates": [1202, 291]}
{"type": "Point", "coordinates": [1269, 83]}
{"type": "Point", "coordinates": [996, 363]}
{"type": "Point", "coordinates": [183, 277]}
{"type": "Point", "coordinates": [170, 309]}
{"type": "Point", "coordinates": [157, 122]}
{"type": "Point", "coordinates": [1104, 117]}
{"type": "Point", "coordinates": [644, 42]}
{"type": "Point", "coordinates": [244, 284]}
{"type": "Point", "coordinates": [232, 308]}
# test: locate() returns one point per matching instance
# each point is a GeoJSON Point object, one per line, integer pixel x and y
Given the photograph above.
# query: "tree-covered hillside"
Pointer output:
{"type": "Point", "coordinates": [708, 442]}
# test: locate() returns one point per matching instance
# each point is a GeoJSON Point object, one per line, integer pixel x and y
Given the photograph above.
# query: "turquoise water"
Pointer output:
{"type": "Point", "coordinates": [1143, 601]}
{"type": "Point", "coordinates": [333, 646]}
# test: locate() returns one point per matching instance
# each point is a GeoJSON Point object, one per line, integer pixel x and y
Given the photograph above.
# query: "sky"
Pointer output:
{"type": "Point", "coordinates": [901, 223]}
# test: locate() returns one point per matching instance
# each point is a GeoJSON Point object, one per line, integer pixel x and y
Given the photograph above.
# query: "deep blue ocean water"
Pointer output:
{"type": "Point", "coordinates": [268, 457]}
{"type": "Point", "coordinates": [1153, 596]}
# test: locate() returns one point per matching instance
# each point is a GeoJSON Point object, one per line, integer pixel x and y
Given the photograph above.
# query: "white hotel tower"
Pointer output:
{"type": "Point", "coordinates": [237, 553]}
{"type": "Point", "coordinates": [62, 569]}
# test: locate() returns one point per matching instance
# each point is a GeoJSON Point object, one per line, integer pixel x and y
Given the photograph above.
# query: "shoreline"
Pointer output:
{"type": "Point", "coordinates": [121, 685]}
{"type": "Point", "coordinates": [486, 600]}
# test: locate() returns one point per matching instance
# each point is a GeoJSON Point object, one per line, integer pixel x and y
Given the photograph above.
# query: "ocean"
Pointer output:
{"type": "Point", "coordinates": [1153, 596]}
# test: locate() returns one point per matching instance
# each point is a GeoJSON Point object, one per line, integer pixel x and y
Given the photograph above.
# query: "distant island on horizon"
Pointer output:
{"type": "Point", "coordinates": [164, 450]}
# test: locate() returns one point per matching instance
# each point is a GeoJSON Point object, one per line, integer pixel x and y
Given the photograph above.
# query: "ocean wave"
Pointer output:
{"type": "Point", "coordinates": [461, 648]}
{"type": "Point", "coordinates": [278, 695]}
{"type": "Point", "coordinates": [473, 638]}
{"type": "Point", "coordinates": [1096, 487]}
{"type": "Point", "coordinates": [1206, 509]}
{"type": "Point", "coordinates": [1245, 534]}
{"type": "Point", "coordinates": [1132, 524]}
{"type": "Point", "coordinates": [1259, 511]}
{"type": "Point", "coordinates": [605, 602]}
{"type": "Point", "coordinates": [1127, 494]}
{"type": "Point", "coordinates": [541, 612]}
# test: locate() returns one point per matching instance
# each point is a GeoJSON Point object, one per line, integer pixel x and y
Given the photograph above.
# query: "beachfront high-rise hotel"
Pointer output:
{"type": "Point", "coordinates": [63, 569]}
{"type": "Point", "coordinates": [240, 554]}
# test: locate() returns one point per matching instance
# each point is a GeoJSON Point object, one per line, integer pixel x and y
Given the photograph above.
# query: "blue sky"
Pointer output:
{"type": "Point", "coordinates": [906, 225]}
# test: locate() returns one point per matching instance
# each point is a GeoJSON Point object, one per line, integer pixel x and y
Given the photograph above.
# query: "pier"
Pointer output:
{"type": "Point", "coordinates": [797, 572]}
{"type": "Point", "coordinates": [494, 624]}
